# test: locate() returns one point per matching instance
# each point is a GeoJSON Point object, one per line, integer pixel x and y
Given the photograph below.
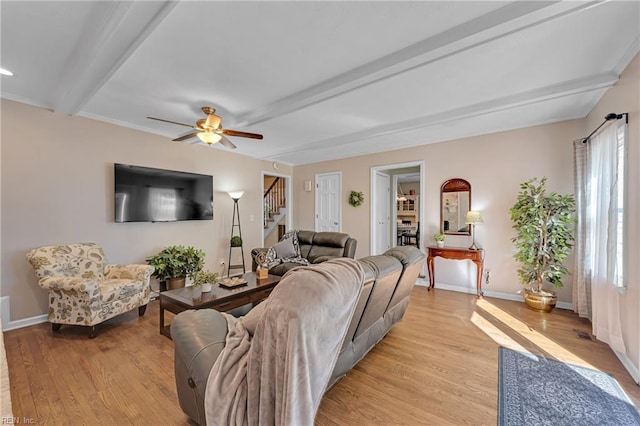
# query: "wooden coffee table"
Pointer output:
{"type": "Point", "coordinates": [219, 298]}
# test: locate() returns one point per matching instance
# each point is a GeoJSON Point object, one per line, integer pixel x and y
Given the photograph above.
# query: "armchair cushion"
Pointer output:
{"type": "Point", "coordinates": [80, 285]}
{"type": "Point", "coordinates": [123, 290]}
{"type": "Point", "coordinates": [131, 272]}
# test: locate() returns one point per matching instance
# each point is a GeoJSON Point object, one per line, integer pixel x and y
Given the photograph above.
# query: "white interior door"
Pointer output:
{"type": "Point", "coordinates": [328, 205]}
{"type": "Point", "coordinates": [383, 213]}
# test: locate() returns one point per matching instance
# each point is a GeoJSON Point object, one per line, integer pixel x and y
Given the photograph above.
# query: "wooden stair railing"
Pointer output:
{"type": "Point", "coordinates": [274, 199]}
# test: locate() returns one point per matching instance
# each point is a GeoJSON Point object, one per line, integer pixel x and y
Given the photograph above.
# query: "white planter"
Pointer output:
{"type": "Point", "coordinates": [206, 287]}
{"type": "Point", "coordinates": [440, 244]}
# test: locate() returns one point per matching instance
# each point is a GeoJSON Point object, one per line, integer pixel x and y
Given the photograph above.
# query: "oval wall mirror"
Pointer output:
{"type": "Point", "coordinates": [455, 202]}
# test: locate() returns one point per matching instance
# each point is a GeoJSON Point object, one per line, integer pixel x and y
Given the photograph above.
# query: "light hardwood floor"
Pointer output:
{"type": "Point", "coordinates": [439, 366]}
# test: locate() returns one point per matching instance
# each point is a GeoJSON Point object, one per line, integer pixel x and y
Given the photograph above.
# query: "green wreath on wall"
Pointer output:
{"type": "Point", "coordinates": [356, 198]}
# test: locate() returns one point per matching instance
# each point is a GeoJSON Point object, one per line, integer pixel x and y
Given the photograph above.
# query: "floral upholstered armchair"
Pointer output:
{"type": "Point", "coordinates": [83, 290]}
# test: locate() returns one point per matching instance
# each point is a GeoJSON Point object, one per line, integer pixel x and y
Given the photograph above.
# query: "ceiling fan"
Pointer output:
{"type": "Point", "coordinates": [209, 130]}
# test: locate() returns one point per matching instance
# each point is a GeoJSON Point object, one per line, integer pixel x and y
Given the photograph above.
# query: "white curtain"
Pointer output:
{"type": "Point", "coordinates": [597, 234]}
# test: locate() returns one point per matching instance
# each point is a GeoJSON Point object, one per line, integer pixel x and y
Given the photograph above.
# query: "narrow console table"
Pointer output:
{"type": "Point", "coordinates": [456, 253]}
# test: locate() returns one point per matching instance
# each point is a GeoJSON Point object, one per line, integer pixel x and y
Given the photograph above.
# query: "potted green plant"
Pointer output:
{"type": "Point", "coordinates": [174, 263]}
{"type": "Point", "coordinates": [544, 237]}
{"type": "Point", "coordinates": [236, 241]}
{"type": "Point", "coordinates": [206, 279]}
{"type": "Point", "coordinates": [439, 239]}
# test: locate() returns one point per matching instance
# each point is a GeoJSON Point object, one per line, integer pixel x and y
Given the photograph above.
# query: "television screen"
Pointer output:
{"type": "Point", "coordinates": [145, 194]}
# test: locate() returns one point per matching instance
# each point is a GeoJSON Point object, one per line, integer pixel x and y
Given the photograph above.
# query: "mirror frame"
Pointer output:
{"type": "Point", "coordinates": [453, 185]}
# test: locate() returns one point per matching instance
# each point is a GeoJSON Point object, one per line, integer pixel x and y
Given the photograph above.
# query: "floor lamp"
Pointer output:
{"type": "Point", "coordinates": [235, 196]}
{"type": "Point", "coordinates": [472, 218]}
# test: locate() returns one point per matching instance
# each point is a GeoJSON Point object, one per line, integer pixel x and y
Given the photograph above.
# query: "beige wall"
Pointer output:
{"type": "Point", "coordinates": [625, 97]}
{"type": "Point", "coordinates": [494, 164]}
{"type": "Point", "coordinates": [57, 187]}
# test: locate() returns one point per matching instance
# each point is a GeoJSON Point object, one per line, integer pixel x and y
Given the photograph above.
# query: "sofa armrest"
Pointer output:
{"type": "Point", "coordinates": [199, 336]}
{"type": "Point", "coordinates": [130, 272]}
{"type": "Point", "coordinates": [80, 285]}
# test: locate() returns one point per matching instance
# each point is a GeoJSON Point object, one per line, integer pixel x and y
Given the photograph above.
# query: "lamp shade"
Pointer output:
{"type": "Point", "coordinates": [236, 194]}
{"type": "Point", "coordinates": [209, 137]}
{"type": "Point", "coordinates": [472, 218]}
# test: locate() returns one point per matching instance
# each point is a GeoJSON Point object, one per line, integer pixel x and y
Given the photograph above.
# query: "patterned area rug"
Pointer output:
{"type": "Point", "coordinates": [538, 391]}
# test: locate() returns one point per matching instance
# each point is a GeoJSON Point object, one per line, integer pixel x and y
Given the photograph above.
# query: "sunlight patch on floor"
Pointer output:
{"type": "Point", "coordinates": [541, 341]}
{"type": "Point", "coordinates": [496, 334]}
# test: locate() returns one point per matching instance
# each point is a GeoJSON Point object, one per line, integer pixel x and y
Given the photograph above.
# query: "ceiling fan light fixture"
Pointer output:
{"type": "Point", "coordinates": [209, 137]}
{"type": "Point", "coordinates": [212, 122]}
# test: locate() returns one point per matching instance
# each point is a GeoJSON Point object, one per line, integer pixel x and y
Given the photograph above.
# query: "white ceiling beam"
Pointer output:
{"type": "Point", "coordinates": [569, 88]}
{"type": "Point", "coordinates": [500, 23]}
{"type": "Point", "coordinates": [114, 33]}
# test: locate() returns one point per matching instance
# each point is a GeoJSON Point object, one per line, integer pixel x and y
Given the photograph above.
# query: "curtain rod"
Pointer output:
{"type": "Point", "coordinates": [608, 117]}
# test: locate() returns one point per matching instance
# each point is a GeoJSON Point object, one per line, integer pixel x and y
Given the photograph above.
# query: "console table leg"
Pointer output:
{"type": "Point", "coordinates": [432, 280]}
{"type": "Point", "coordinates": [479, 267]}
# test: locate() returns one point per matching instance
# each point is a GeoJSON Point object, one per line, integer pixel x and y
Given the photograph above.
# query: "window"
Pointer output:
{"type": "Point", "coordinates": [619, 276]}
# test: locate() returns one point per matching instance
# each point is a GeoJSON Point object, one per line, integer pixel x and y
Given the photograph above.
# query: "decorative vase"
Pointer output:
{"type": "Point", "coordinates": [541, 302]}
{"type": "Point", "coordinates": [440, 244]}
{"type": "Point", "coordinates": [175, 283]}
{"type": "Point", "coordinates": [206, 287]}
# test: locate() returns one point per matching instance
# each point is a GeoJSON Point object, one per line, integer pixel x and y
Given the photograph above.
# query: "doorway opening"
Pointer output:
{"type": "Point", "coordinates": [276, 207]}
{"type": "Point", "coordinates": [405, 203]}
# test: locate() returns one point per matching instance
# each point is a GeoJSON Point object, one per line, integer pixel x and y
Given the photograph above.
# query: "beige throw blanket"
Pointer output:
{"type": "Point", "coordinates": [278, 359]}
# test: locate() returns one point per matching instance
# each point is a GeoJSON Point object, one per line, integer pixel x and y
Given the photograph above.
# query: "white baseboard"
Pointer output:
{"type": "Point", "coordinates": [25, 322]}
{"type": "Point", "coordinates": [7, 324]}
{"type": "Point", "coordinates": [632, 369]}
{"type": "Point", "coordinates": [494, 294]}
{"type": "Point", "coordinates": [5, 314]}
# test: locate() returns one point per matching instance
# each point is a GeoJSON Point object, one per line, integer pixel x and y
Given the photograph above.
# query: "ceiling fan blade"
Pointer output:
{"type": "Point", "coordinates": [185, 137]}
{"type": "Point", "coordinates": [226, 142]}
{"type": "Point", "coordinates": [172, 122]}
{"type": "Point", "coordinates": [241, 134]}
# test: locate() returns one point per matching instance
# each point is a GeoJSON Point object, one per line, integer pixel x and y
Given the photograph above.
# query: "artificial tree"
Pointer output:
{"type": "Point", "coordinates": [544, 234]}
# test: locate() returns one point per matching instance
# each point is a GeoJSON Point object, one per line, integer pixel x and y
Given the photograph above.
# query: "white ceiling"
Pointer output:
{"type": "Point", "coordinates": [320, 80]}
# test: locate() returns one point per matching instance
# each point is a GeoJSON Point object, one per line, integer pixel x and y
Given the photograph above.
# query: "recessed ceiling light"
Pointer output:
{"type": "Point", "coordinates": [5, 72]}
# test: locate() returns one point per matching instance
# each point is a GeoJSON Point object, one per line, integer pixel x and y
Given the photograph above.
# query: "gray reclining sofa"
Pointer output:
{"type": "Point", "coordinates": [199, 336]}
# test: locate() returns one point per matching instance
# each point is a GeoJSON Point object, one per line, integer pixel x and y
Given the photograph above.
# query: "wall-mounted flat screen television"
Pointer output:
{"type": "Point", "coordinates": [145, 194]}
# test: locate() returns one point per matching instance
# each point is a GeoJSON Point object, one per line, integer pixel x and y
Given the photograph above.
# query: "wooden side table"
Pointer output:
{"type": "Point", "coordinates": [456, 253]}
